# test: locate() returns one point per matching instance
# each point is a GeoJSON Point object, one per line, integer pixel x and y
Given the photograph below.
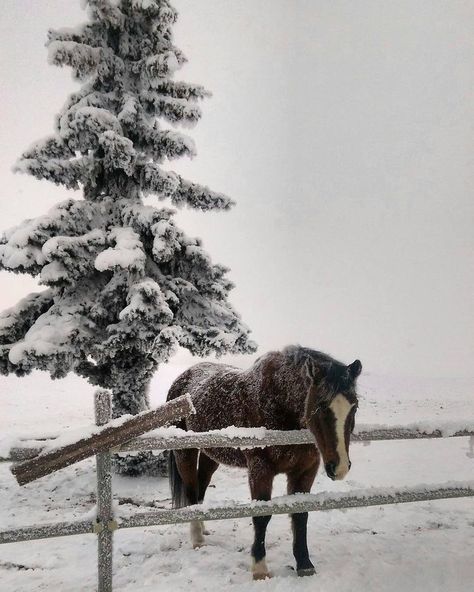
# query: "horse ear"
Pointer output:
{"type": "Point", "coordinates": [355, 369]}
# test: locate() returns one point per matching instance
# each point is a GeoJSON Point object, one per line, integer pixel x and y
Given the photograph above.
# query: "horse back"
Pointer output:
{"type": "Point", "coordinates": [225, 396]}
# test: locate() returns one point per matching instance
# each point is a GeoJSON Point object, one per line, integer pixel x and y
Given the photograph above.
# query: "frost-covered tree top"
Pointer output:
{"type": "Point", "coordinates": [125, 285]}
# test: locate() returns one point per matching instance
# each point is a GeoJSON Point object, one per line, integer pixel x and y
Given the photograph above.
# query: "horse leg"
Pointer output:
{"type": "Point", "coordinates": [261, 477]}
{"type": "Point", "coordinates": [301, 482]}
{"type": "Point", "coordinates": [187, 466]}
{"type": "Point", "coordinates": [206, 468]}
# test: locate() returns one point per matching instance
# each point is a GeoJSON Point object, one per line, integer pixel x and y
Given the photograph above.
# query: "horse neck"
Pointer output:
{"type": "Point", "coordinates": [292, 390]}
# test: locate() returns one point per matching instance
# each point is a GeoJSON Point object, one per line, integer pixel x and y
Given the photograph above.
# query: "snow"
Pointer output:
{"type": "Point", "coordinates": [13, 257]}
{"type": "Point", "coordinates": [53, 272]}
{"type": "Point", "coordinates": [99, 117]}
{"type": "Point", "coordinates": [447, 428]}
{"type": "Point", "coordinates": [231, 431]}
{"type": "Point", "coordinates": [140, 297]}
{"type": "Point", "coordinates": [415, 546]}
{"type": "Point", "coordinates": [128, 252]}
{"type": "Point", "coordinates": [163, 64]}
{"type": "Point", "coordinates": [82, 57]}
{"type": "Point", "coordinates": [51, 333]}
{"type": "Point", "coordinates": [72, 435]}
{"type": "Point", "coordinates": [143, 4]}
{"type": "Point", "coordinates": [8, 317]}
{"type": "Point", "coordinates": [55, 244]}
{"type": "Point", "coordinates": [75, 434]}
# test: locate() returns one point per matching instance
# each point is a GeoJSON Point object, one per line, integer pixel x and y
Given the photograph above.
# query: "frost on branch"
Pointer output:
{"type": "Point", "coordinates": [15, 322]}
{"type": "Point", "coordinates": [54, 342]}
{"type": "Point", "coordinates": [82, 58]}
{"type": "Point", "coordinates": [199, 197]}
{"type": "Point", "coordinates": [118, 152]}
{"type": "Point", "coordinates": [125, 285]}
{"type": "Point", "coordinates": [171, 109]}
{"type": "Point", "coordinates": [127, 253]}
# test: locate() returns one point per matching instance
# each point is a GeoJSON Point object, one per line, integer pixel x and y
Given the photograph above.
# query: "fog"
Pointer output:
{"type": "Point", "coordinates": [344, 132]}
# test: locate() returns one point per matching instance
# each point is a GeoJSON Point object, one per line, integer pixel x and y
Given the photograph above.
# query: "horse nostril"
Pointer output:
{"type": "Point", "coordinates": [350, 465]}
{"type": "Point", "coordinates": [331, 470]}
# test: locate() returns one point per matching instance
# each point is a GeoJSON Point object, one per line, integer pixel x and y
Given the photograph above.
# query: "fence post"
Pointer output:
{"type": "Point", "coordinates": [105, 523]}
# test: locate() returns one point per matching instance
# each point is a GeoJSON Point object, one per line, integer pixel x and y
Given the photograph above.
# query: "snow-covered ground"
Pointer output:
{"type": "Point", "coordinates": [415, 547]}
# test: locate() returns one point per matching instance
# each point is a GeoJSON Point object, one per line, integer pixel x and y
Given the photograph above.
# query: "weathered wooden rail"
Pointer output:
{"type": "Point", "coordinates": [50, 455]}
{"type": "Point", "coordinates": [287, 504]}
{"type": "Point", "coordinates": [179, 439]}
{"type": "Point", "coordinates": [102, 438]}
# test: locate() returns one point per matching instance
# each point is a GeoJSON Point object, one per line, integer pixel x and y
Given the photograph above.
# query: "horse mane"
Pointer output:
{"type": "Point", "coordinates": [331, 375]}
{"type": "Point", "coordinates": [298, 356]}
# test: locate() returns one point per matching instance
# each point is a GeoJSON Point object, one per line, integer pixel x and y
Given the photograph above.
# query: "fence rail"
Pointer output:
{"type": "Point", "coordinates": [288, 504]}
{"type": "Point", "coordinates": [102, 437]}
{"type": "Point", "coordinates": [105, 523]}
{"type": "Point", "coordinates": [241, 439]}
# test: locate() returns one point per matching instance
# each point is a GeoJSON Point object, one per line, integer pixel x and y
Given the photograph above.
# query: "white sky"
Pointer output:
{"type": "Point", "coordinates": [344, 131]}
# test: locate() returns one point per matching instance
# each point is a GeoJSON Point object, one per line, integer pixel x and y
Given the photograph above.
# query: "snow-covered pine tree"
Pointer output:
{"type": "Point", "coordinates": [125, 286]}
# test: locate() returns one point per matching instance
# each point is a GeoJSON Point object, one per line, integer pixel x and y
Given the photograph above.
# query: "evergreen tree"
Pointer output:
{"type": "Point", "coordinates": [125, 286]}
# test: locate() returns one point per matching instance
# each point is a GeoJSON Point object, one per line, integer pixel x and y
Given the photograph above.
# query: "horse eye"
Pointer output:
{"type": "Point", "coordinates": [352, 418]}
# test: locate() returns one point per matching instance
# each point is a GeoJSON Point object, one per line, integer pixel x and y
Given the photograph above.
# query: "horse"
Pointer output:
{"type": "Point", "coordinates": [292, 389]}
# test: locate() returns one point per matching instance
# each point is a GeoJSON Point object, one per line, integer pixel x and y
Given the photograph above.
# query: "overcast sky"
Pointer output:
{"type": "Point", "coordinates": [344, 131]}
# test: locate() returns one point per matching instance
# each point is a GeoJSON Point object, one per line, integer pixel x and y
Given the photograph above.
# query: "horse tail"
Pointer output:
{"type": "Point", "coordinates": [179, 499]}
{"type": "Point", "coordinates": [178, 488]}
{"type": "Point", "coordinates": [180, 492]}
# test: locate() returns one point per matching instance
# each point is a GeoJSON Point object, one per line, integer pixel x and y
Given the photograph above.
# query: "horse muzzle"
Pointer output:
{"type": "Point", "coordinates": [336, 472]}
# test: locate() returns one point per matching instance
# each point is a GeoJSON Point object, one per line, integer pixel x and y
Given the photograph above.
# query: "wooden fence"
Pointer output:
{"type": "Point", "coordinates": [43, 457]}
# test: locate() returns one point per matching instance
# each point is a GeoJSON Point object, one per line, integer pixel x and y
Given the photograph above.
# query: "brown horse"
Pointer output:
{"type": "Point", "coordinates": [293, 389]}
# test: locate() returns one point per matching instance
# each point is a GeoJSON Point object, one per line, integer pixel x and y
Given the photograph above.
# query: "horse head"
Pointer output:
{"type": "Point", "coordinates": [331, 405]}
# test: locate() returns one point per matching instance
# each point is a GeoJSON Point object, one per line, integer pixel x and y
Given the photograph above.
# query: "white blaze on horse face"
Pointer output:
{"type": "Point", "coordinates": [340, 406]}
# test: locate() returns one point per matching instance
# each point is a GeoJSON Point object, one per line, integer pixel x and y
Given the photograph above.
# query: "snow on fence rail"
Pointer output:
{"type": "Point", "coordinates": [57, 453]}
{"type": "Point", "coordinates": [177, 439]}
{"type": "Point", "coordinates": [67, 450]}
{"type": "Point", "coordinates": [286, 504]}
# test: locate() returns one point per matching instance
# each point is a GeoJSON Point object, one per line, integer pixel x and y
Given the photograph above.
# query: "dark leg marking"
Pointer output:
{"type": "Point", "coordinates": [261, 477]}
{"type": "Point", "coordinates": [260, 524]}
{"type": "Point", "coordinates": [301, 483]}
{"type": "Point", "coordinates": [304, 567]}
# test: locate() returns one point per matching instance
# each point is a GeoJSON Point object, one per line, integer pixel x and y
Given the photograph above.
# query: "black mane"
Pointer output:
{"type": "Point", "coordinates": [298, 355]}
{"type": "Point", "coordinates": [333, 376]}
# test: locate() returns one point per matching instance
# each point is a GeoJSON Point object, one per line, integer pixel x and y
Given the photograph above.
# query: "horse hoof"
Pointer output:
{"type": "Point", "coordinates": [261, 576]}
{"type": "Point", "coordinates": [260, 570]}
{"type": "Point", "coordinates": [199, 545]}
{"type": "Point", "coordinates": [206, 532]}
{"type": "Point", "coordinates": [309, 571]}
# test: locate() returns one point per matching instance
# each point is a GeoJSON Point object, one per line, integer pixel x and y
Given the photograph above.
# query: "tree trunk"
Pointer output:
{"type": "Point", "coordinates": [130, 396]}
{"type": "Point", "coordinates": [129, 401]}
